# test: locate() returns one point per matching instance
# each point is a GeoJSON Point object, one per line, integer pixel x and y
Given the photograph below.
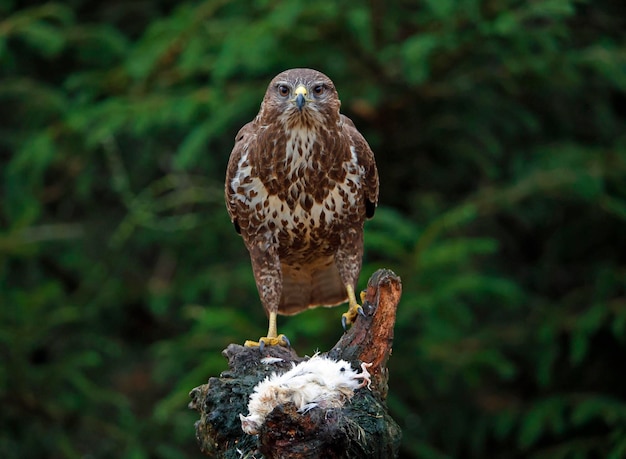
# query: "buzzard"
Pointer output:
{"type": "Point", "coordinates": [301, 180]}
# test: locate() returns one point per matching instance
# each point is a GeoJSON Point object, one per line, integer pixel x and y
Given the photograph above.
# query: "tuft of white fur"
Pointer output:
{"type": "Point", "coordinates": [318, 382]}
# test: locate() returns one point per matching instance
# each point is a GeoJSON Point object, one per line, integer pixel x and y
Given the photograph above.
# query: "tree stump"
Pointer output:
{"type": "Point", "coordinates": [361, 428]}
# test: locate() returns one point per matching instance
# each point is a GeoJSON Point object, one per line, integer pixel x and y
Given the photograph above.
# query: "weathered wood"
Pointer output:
{"type": "Point", "coordinates": [361, 428]}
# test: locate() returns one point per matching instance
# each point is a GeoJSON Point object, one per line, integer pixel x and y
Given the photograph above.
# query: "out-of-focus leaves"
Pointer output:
{"type": "Point", "coordinates": [498, 131]}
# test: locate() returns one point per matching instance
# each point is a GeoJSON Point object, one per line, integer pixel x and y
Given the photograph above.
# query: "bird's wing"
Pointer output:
{"type": "Point", "coordinates": [243, 141]}
{"type": "Point", "coordinates": [366, 159]}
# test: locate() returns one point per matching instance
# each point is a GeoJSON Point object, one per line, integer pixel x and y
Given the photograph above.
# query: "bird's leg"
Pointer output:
{"type": "Point", "coordinates": [365, 376]}
{"type": "Point", "coordinates": [354, 308]}
{"type": "Point", "coordinates": [272, 329]}
{"type": "Point", "coordinates": [268, 277]}
{"type": "Point", "coordinates": [348, 260]}
{"type": "Point", "coordinates": [272, 338]}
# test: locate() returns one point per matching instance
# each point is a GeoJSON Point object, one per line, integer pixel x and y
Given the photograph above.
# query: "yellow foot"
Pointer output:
{"type": "Point", "coordinates": [348, 318]}
{"type": "Point", "coordinates": [280, 340]}
{"type": "Point", "coordinates": [354, 309]}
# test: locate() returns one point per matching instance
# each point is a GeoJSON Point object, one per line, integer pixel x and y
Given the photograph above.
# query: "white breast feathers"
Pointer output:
{"type": "Point", "coordinates": [318, 382]}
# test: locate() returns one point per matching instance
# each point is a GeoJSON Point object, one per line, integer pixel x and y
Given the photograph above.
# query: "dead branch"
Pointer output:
{"type": "Point", "coordinates": [361, 428]}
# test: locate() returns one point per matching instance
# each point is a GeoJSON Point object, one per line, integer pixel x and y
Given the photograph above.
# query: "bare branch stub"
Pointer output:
{"type": "Point", "coordinates": [371, 338]}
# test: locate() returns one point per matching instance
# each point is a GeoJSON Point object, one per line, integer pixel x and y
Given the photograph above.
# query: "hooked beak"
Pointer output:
{"type": "Point", "coordinates": [300, 99]}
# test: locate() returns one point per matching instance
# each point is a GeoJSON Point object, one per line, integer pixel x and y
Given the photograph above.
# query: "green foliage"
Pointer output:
{"type": "Point", "coordinates": [498, 128]}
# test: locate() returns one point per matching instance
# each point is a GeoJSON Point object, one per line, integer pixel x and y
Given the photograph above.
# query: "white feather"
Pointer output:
{"type": "Point", "coordinates": [318, 382]}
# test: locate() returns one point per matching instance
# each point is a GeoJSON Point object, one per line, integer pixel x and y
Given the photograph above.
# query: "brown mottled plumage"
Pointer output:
{"type": "Point", "coordinates": [300, 183]}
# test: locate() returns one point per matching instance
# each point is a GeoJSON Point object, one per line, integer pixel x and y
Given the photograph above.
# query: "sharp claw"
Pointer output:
{"type": "Point", "coordinates": [262, 343]}
{"type": "Point", "coordinates": [360, 311]}
{"type": "Point", "coordinates": [344, 323]}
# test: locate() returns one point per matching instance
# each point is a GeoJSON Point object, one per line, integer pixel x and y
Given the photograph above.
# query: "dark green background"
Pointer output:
{"type": "Point", "coordinates": [499, 129]}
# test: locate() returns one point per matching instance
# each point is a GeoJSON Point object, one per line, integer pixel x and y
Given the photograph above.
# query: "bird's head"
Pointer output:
{"type": "Point", "coordinates": [301, 98]}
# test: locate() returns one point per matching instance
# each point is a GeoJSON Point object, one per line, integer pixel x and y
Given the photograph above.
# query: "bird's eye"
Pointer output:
{"type": "Point", "coordinates": [283, 90]}
{"type": "Point", "coordinates": [319, 89]}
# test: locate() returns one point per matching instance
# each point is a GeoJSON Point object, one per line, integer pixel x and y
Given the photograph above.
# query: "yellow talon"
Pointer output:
{"type": "Point", "coordinates": [280, 340]}
{"type": "Point", "coordinates": [354, 308]}
{"type": "Point", "coordinates": [272, 338]}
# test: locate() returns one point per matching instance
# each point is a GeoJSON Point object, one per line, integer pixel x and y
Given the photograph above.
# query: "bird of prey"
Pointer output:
{"type": "Point", "coordinates": [301, 181]}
